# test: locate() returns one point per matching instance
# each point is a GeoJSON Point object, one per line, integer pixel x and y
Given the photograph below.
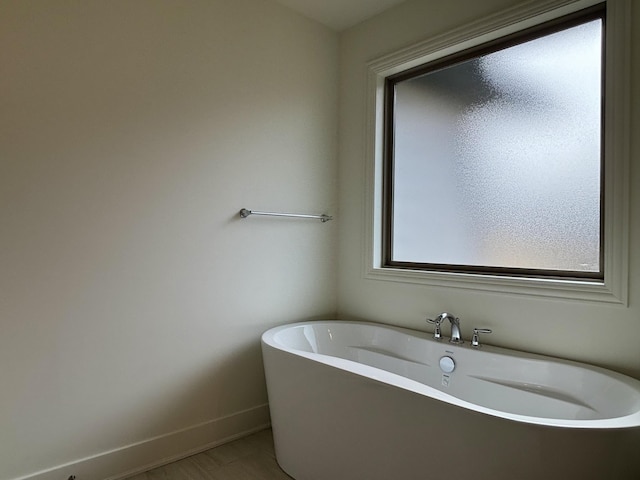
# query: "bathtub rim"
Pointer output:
{"type": "Point", "coordinates": [375, 374]}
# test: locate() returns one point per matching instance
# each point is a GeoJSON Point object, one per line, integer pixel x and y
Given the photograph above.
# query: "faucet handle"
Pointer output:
{"type": "Point", "coordinates": [475, 340]}
{"type": "Point", "coordinates": [437, 334]}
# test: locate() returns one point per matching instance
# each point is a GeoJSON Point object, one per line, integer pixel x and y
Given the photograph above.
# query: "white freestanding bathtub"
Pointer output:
{"type": "Point", "coordinates": [362, 401]}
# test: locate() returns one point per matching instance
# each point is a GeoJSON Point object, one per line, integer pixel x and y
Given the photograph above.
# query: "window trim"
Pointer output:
{"type": "Point", "coordinates": [613, 288]}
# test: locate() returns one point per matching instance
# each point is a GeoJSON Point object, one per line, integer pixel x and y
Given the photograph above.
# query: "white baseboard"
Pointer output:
{"type": "Point", "coordinates": [138, 457]}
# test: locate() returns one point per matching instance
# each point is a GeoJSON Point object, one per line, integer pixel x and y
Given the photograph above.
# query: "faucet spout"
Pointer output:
{"type": "Point", "coordinates": [456, 336]}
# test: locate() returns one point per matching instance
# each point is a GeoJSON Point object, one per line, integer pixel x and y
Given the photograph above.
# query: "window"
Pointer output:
{"type": "Point", "coordinates": [498, 155]}
{"type": "Point", "coordinates": [493, 156]}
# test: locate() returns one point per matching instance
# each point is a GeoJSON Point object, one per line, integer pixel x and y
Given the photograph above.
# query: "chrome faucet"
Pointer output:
{"type": "Point", "coordinates": [456, 337]}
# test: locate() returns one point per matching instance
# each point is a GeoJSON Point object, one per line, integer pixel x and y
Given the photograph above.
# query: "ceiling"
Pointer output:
{"type": "Point", "coordinates": [339, 14]}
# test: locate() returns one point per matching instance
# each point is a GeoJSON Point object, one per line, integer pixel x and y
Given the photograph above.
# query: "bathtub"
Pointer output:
{"type": "Point", "coordinates": [363, 401]}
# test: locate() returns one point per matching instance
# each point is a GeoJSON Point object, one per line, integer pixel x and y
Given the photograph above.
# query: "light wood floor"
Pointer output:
{"type": "Point", "coordinates": [250, 458]}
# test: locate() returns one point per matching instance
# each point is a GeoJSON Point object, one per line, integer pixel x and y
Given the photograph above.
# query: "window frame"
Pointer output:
{"type": "Point", "coordinates": [612, 286]}
{"type": "Point", "coordinates": [597, 12]}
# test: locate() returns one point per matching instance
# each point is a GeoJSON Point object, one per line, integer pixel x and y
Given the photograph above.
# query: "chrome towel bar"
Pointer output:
{"type": "Point", "coordinates": [244, 213]}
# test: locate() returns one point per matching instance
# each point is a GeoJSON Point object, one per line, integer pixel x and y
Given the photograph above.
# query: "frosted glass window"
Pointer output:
{"type": "Point", "coordinates": [496, 159]}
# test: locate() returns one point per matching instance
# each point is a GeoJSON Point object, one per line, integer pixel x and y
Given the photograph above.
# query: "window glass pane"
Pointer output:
{"type": "Point", "coordinates": [497, 159]}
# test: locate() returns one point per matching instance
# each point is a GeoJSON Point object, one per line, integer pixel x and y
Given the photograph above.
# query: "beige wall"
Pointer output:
{"type": "Point", "coordinates": [132, 296]}
{"type": "Point", "coordinates": [595, 333]}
